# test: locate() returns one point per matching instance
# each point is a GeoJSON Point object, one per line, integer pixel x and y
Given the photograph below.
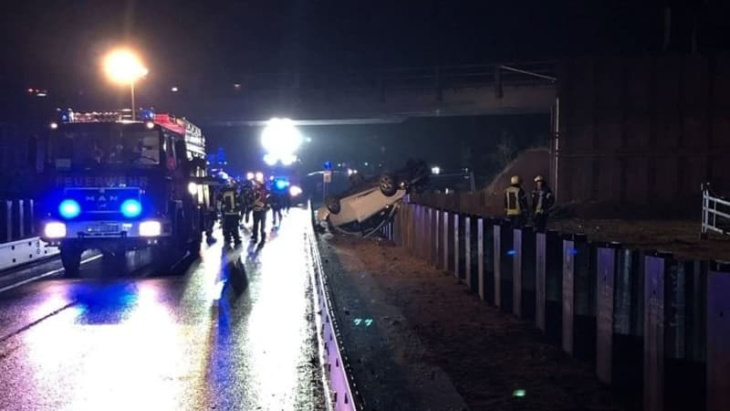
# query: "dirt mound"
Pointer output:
{"type": "Point", "coordinates": [528, 164]}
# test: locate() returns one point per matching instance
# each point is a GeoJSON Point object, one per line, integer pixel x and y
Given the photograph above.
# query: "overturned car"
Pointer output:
{"type": "Point", "coordinates": [368, 205]}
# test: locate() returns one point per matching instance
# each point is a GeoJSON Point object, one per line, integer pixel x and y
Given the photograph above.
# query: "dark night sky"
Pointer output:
{"type": "Point", "coordinates": [51, 42]}
{"type": "Point", "coordinates": [58, 45]}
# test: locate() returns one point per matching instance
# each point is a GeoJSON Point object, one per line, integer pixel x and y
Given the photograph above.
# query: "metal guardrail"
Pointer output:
{"type": "Point", "coordinates": [715, 213]}
{"type": "Point", "coordinates": [18, 241]}
{"type": "Point", "coordinates": [605, 303]}
{"type": "Point", "coordinates": [16, 220]}
{"type": "Point", "coordinates": [341, 390]}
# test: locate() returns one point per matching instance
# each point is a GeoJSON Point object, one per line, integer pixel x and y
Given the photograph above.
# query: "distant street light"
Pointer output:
{"type": "Point", "coordinates": [124, 67]}
{"type": "Point", "coordinates": [435, 170]}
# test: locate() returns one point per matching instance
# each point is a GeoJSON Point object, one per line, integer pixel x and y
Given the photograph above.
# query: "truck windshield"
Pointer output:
{"type": "Point", "coordinates": [80, 148]}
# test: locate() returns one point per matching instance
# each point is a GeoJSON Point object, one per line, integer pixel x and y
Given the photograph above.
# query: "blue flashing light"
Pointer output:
{"type": "Point", "coordinates": [148, 115]}
{"type": "Point", "coordinates": [512, 252]}
{"type": "Point", "coordinates": [69, 209]}
{"type": "Point", "coordinates": [131, 208]}
{"type": "Point", "coordinates": [281, 184]}
{"type": "Point", "coordinates": [328, 166]}
{"type": "Point", "coordinates": [573, 251]}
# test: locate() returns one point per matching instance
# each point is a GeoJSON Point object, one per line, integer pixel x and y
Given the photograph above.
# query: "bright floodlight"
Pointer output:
{"type": "Point", "coordinates": [295, 191]}
{"type": "Point", "coordinates": [280, 136]}
{"type": "Point", "coordinates": [281, 139]}
{"type": "Point", "coordinates": [436, 170]}
{"type": "Point", "coordinates": [288, 159]}
{"type": "Point", "coordinates": [270, 159]}
{"type": "Point", "coordinates": [123, 66]}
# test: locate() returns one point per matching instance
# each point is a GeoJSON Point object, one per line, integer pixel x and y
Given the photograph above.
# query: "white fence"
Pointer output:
{"type": "Point", "coordinates": [715, 212]}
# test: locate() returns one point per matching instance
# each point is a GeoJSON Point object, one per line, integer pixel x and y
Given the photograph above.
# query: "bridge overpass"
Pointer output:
{"type": "Point", "coordinates": [371, 96]}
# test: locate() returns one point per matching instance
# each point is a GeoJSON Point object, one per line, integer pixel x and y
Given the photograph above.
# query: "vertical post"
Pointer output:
{"type": "Point", "coordinates": [31, 217]}
{"type": "Point", "coordinates": [540, 271]}
{"type": "Point", "coordinates": [481, 282]}
{"type": "Point", "coordinates": [21, 220]}
{"type": "Point", "coordinates": [423, 240]}
{"type": "Point", "coordinates": [497, 241]}
{"type": "Point", "coordinates": [445, 241]}
{"type": "Point", "coordinates": [418, 232]}
{"type": "Point", "coordinates": [437, 238]}
{"type": "Point", "coordinates": [9, 221]}
{"type": "Point", "coordinates": [568, 294]}
{"type": "Point", "coordinates": [703, 230]}
{"type": "Point", "coordinates": [606, 272]}
{"type": "Point", "coordinates": [718, 337]}
{"type": "Point", "coordinates": [409, 227]}
{"type": "Point", "coordinates": [134, 113]}
{"type": "Point", "coordinates": [517, 272]}
{"type": "Point", "coordinates": [628, 321]}
{"type": "Point", "coordinates": [456, 246]}
{"type": "Point", "coordinates": [467, 252]}
{"type": "Point", "coordinates": [579, 322]}
{"type": "Point", "coordinates": [654, 274]}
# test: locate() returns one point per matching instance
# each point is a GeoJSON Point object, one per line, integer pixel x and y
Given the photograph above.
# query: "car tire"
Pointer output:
{"type": "Point", "coordinates": [387, 185]}
{"type": "Point", "coordinates": [333, 205]}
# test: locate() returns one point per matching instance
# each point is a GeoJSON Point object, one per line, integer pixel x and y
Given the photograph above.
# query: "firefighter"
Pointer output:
{"type": "Point", "coordinates": [515, 202]}
{"type": "Point", "coordinates": [231, 210]}
{"type": "Point", "coordinates": [212, 216]}
{"type": "Point", "coordinates": [542, 202]}
{"type": "Point", "coordinates": [275, 202]}
{"type": "Point", "coordinates": [259, 206]}
{"type": "Point", "coordinates": [247, 192]}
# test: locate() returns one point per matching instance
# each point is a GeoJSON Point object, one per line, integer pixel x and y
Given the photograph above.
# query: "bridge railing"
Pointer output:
{"type": "Point", "coordinates": [19, 243]}
{"type": "Point", "coordinates": [715, 213]}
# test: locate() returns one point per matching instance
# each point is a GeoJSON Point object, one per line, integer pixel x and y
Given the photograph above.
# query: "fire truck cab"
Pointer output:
{"type": "Point", "coordinates": [114, 185]}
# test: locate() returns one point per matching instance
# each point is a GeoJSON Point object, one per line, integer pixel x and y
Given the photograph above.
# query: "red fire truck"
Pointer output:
{"type": "Point", "coordinates": [115, 185]}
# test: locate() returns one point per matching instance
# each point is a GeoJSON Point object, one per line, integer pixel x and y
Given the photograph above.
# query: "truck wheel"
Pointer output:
{"type": "Point", "coordinates": [71, 260]}
{"type": "Point", "coordinates": [387, 185]}
{"type": "Point", "coordinates": [194, 246]}
{"type": "Point", "coordinates": [163, 257]}
{"type": "Point", "coordinates": [333, 205]}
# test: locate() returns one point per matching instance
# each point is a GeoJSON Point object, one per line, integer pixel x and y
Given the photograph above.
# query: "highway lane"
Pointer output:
{"type": "Point", "coordinates": [168, 343]}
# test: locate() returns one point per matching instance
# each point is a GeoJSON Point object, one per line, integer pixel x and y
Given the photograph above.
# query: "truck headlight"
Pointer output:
{"type": "Point", "coordinates": [150, 228]}
{"type": "Point", "coordinates": [192, 188]}
{"type": "Point", "coordinates": [54, 230]}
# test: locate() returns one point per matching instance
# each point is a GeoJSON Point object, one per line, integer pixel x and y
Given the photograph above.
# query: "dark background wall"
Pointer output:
{"type": "Point", "coordinates": [643, 130]}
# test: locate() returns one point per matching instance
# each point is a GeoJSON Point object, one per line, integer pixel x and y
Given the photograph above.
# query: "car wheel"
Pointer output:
{"type": "Point", "coordinates": [387, 185]}
{"type": "Point", "coordinates": [333, 205]}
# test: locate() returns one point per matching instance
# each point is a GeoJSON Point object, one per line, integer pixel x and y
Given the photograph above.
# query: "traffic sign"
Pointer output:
{"type": "Point", "coordinates": [327, 176]}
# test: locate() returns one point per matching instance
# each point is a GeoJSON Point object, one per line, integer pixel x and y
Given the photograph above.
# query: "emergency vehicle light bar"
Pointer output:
{"type": "Point", "coordinates": [70, 116]}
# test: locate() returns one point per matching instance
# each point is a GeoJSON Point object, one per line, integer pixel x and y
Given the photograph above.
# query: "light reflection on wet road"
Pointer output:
{"type": "Point", "coordinates": [168, 343]}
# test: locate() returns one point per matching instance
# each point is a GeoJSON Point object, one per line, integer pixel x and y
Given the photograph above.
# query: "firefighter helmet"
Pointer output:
{"type": "Point", "coordinates": [539, 179]}
{"type": "Point", "coordinates": [515, 180]}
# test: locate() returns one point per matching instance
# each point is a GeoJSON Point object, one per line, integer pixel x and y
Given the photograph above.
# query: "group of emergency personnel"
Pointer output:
{"type": "Point", "coordinates": [237, 202]}
{"type": "Point", "coordinates": [517, 209]}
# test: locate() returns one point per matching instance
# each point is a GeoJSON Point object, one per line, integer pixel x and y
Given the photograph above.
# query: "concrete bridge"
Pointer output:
{"type": "Point", "coordinates": [372, 96]}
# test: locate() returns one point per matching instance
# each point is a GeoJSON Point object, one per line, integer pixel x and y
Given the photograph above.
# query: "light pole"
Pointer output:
{"type": "Point", "coordinates": [125, 67]}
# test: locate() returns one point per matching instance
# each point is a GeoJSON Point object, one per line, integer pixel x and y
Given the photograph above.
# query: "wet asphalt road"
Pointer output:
{"type": "Point", "coordinates": [155, 342]}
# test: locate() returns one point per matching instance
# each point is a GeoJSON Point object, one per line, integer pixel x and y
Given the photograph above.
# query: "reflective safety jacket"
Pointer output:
{"type": "Point", "coordinates": [542, 200]}
{"type": "Point", "coordinates": [230, 202]}
{"type": "Point", "coordinates": [515, 200]}
{"type": "Point", "coordinates": [259, 199]}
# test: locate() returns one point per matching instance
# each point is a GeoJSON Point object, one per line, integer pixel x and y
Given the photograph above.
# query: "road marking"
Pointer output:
{"type": "Point", "coordinates": [44, 275]}
{"type": "Point", "coordinates": [28, 326]}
